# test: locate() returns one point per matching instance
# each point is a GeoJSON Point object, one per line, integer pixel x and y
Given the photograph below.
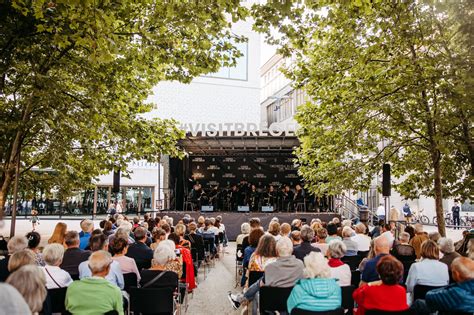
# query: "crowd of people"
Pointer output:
{"type": "Point", "coordinates": [318, 260]}
{"type": "Point", "coordinates": [92, 263]}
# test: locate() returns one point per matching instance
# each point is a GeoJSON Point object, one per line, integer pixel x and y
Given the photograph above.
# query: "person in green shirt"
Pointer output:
{"type": "Point", "coordinates": [95, 295]}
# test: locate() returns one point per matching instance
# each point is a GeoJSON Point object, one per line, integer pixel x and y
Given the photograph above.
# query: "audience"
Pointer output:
{"type": "Point", "coordinates": [428, 271]}
{"type": "Point", "coordinates": [418, 239]}
{"type": "Point", "coordinates": [127, 264]}
{"type": "Point", "coordinates": [95, 295]}
{"type": "Point", "coordinates": [339, 270]}
{"type": "Point", "coordinates": [15, 244]}
{"type": "Point", "coordinates": [274, 229]}
{"type": "Point", "coordinates": [34, 240]}
{"type": "Point", "coordinates": [11, 301]}
{"type": "Point", "coordinates": [158, 235]}
{"type": "Point", "coordinates": [59, 234]}
{"type": "Point", "coordinates": [55, 276]}
{"type": "Point", "coordinates": [446, 246]}
{"type": "Point", "coordinates": [295, 237]}
{"type": "Point", "coordinates": [87, 226]}
{"type": "Point", "coordinates": [161, 257]}
{"type": "Point", "coordinates": [285, 229]}
{"type": "Point", "coordinates": [317, 292]}
{"type": "Point", "coordinates": [139, 251]}
{"type": "Point", "coordinates": [73, 256]}
{"type": "Point", "coordinates": [381, 248]}
{"type": "Point", "coordinates": [197, 243]}
{"type": "Point", "coordinates": [362, 240]}
{"type": "Point", "coordinates": [321, 235]}
{"type": "Point", "coordinates": [332, 232]}
{"type": "Point", "coordinates": [30, 282]}
{"type": "Point", "coordinates": [303, 249]}
{"type": "Point", "coordinates": [21, 258]}
{"type": "Point", "coordinates": [351, 245]}
{"type": "Point", "coordinates": [385, 295]}
{"type": "Point", "coordinates": [244, 232]}
{"type": "Point", "coordinates": [264, 254]}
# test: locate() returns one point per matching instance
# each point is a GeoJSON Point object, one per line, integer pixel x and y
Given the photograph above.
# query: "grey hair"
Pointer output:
{"type": "Point", "coordinates": [434, 236]}
{"type": "Point", "coordinates": [53, 254]}
{"type": "Point", "coordinates": [418, 228]}
{"type": "Point", "coordinates": [162, 254]}
{"type": "Point", "coordinates": [346, 222]}
{"type": "Point", "coordinates": [360, 228]}
{"type": "Point", "coordinates": [404, 237]}
{"type": "Point", "coordinates": [316, 266]}
{"type": "Point", "coordinates": [337, 249]}
{"type": "Point", "coordinates": [87, 225]}
{"type": "Point", "coordinates": [446, 245]}
{"type": "Point", "coordinates": [17, 243]}
{"type": "Point", "coordinates": [99, 261]}
{"type": "Point", "coordinates": [284, 246]}
{"type": "Point", "coordinates": [122, 232]}
{"type": "Point", "coordinates": [347, 231]}
{"type": "Point", "coordinates": [30, 281]}
{"type": "Point", "coordinates": [245, 228]}
{"type": "Point", "coordinates": [307, 233]}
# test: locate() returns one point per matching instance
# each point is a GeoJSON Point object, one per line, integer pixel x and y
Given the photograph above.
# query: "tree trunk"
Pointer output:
{"type": "Point", "coordinates": [438, 194]}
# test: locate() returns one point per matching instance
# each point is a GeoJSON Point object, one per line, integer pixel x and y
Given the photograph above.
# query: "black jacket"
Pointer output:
{"type": "Point", "coordinates": [72, 258]}
{"type": "Point", "coordinates": [304, 249]}
{"type": "Point", "coordinates": [142, 255]}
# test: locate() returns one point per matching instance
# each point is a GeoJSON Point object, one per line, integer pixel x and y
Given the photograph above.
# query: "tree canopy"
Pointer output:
{"type": "Point", "coordinates": [75, 76]}
{"type": "Point", "coordinates": [389, 82]}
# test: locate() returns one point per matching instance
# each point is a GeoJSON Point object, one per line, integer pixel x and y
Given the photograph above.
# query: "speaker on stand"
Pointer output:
{"type": "Point", "coordinates": [386, 188]}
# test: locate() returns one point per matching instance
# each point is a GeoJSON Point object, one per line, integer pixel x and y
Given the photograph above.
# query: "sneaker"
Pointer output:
{"type": "Point", "coordinates": [233, 300]}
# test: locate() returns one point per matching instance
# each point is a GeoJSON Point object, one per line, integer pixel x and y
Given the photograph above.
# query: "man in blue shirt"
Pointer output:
{"type": "Point", "coordinates": [382, 248]}
{"type": "Point", "coordinates": [86, 226]}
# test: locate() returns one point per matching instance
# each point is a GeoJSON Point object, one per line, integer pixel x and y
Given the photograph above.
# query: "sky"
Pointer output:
{"type": "Point", "coordinates": [266, 51]}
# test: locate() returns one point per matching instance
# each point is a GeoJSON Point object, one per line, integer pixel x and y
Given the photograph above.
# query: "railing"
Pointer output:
{"type": "Point", "coordinates": [349, 209]}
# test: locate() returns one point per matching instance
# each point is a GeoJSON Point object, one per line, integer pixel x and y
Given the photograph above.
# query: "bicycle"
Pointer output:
{"type": "Point", "coordinates": [418, 217]}
{"type": "Point", "coordinates": [448, 218]}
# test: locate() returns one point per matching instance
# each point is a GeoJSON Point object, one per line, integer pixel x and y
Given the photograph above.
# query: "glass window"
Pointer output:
{"type": "Point", "coordinates": [102, 199]}
{"type": "Point", "coordinates": [239, 71]}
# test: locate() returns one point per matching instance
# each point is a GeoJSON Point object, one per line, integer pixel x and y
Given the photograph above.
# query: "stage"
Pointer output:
{"type": "Point", "coordinates": [233, 220]}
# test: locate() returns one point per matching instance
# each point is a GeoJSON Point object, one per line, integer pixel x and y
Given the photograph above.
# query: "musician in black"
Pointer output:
{"type": "Point", "coordinates": [244, 193]}
{"type": "Point", "coordinates": [233, 198]}
{"type": "Point", "coordinates": [288, 197]}
{"type": "Point", "coordinates": [299, 196]}
{"type": "Point", "coordinates": [214, 196]}
{"type": "Point", "coordinates": [195, 196]}
{"type": "Point", "coordinates": [271, 197]}
{"type": "Point", "coordinates": [254, 198]}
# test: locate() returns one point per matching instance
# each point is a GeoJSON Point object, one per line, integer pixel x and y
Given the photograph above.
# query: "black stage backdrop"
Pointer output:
{"type": "Point", "coordinates": [258, 170]}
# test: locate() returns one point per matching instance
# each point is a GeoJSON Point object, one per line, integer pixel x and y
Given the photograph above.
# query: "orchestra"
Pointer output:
{"type": "Point", "coordinates": [282, 198]}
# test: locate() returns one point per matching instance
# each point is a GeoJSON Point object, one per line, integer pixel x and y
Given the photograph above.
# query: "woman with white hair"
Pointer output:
{"type": "Point", "coordinates": [318, 292]}
{"type": "Point", "coordinates": [446, 246]}
{"type": "Point", "coordinates": [55, 276]}
{"type": "Point", "coordinates": [339, 270]}
{"type": "Point", "coordinates": [351, 246]}
{"type": "Point", "coordinates": [158, 276]}
{"type": "Point", "coordinates": [30, 282]}
{"type": "Point", "coordinates": [15, 244]}
{"type": "Point", "coordinates": [362, 239]}
{"type": "Point", "coordinates": [244, 231]}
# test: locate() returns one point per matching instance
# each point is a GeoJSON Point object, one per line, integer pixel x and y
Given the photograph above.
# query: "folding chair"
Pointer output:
{"type": "Point", "coordinates": [54, 302]}
{"type": "Point", "coordinates": [419, 291]}
{"type": "Point", "coordinates": [157, 301]}
{"type": "Point", "coordinates": [130, 280]}
{"type": "Point", "coordinates": [254, 276]}
{"type": "Point", "coordinates": [347, 300]}
{"type": "Point", "coordinates": [239, 263]}
{"type": "Point", "coordinates": [355, 278]}
{"type": "Point", "coordinates": [352, 261]}
{"type": "Point", "coordinates": [273, 299]}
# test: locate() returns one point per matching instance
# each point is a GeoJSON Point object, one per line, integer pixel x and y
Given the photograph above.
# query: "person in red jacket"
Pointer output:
{"type": "Point", "coordinates": [385, 294]}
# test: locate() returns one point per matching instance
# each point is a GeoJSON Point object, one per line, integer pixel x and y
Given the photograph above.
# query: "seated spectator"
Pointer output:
{"type": "Point", "coordinates": [73, 255]}
{"type": "Point", "coordinates": [418, 239]}
{"type": "Point", "coordinates": [127, 264]}
{"type": "Point", "coordinates": [95, 295]}
{"type": "Point", "coordinates": [434, 236]}
{"type": "Point", "coordinates": [318, 292]}
{"type": "Point", "coordinates": [253, 238]}
{"type": "Point", "coordinates": [362, 240]}
{"type": "Point", "coordinates": [283, 273]}
{"type": "Point", "coordinates": [352, 247]}
{"type": "Point", "coordinates": [162, 255]}
{"type": "Point", "coordinates": [115, 276]}
{"type": "Point", "coordinates": [296, 225]}
{"type": "Point", "coordinates": [21, 258]}
{"type": "Point", "coordinates": [11, 301]}
{"type": "Point", "coordinates": [108, 228]}
{"type": "Point", "coordinates": [339, 270]}
{"type": "Point", "coordinates": [446, 246]}
{"type": "Point", "coordinates": [141, 253]}
{"type": "Point", "coordinates": [307, 235]}
{"type": "Point", "coordinates": [59, 234]}
{"type": "Point", "coordinates": [428, 271]}
{"type": "Point", "coordinates": [197, 243]}
{"type": "Point", "coordinates": [410, 230]}
{"type": "Point", "coordinates": [185, 254]}
{"type": "Point", "coordinates": [388, 294]}
{"type": "Point", "coordinates": [332, 232]}
{"type": "Point", "coordinates": [370, 255]}
{"type": "Point", "coordinates": [158, 235]}
{"type": "Point", "coordinates": [381, 248]}
{"type": "Point", "coordinates": [30, 282]}
{"type": "Point", "coordinates": [15, 244]}
{"type": "Point", "coordinates": [244, 231]}
{"type": "Point", "coordinates": [180, 230]}
{"type": "Point", "coordinates": [274, 229]}
{"type": "Point", "coordinates": [123, 232]}
{"type": "Point", "coordinates": [285, 229]}
{"type": "Point", "coordinates": [321, 234]}
{"type": "Point", "coordinates": [34, 240]}
{"type": "Point", "coordinates": [295, 237]}
{"type": "Point", "coordinates": [87, 226]}
{"type": "Point", "coordinates": [55, 276]}
{"type": "Point", "coordinates": [175, 265]}
{"type": "Point", "coordinates": [386, 231]}
{"type": "Point", "coordinates": [458, 297]}
{"type": "Point", "coordinates": [264, 254]}
{"type": "Point", "coordinates": [403, 251]}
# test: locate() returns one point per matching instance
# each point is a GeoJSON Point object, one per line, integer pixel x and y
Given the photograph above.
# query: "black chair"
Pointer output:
{"type": "Point", "coordinates": [419, 291]}
{"type": "Point", "coordinates": [54, 302]}
{"type": "Point", "coordinates": [273, 299]}
{"type": "Point", "coordinates": [297, 311]}
{"type": "Point", "coordinates": [352, 261]}
{"type": "Point", "coordinates": [362, 254]}
{"type": "Point", "coordinates": [254, 276]}
{"type": "Point", "coordinates": [355, 278]}
{"type": "Point", "coordinates": [130, 279]}
{"type": "Point", "coordinates": [378, 312]}
{"type": "Point", "coordinates": [347, 300]}
{"type": "Point", "coordinates": [75, 277]}
{"type": "Point", "coordinates": [152, 301]}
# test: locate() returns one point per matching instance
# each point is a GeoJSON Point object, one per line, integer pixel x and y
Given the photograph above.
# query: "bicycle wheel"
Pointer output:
{"type": "Point", "coordinates": [425, 219]}
{"type": "Point", "coordinates": [435, 220]}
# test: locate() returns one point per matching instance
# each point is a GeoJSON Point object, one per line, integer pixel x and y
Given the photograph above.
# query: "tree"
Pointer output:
{"type": "Point", "coordinates": [390, 82]}
{"type": "Point", "coordinates": [75, 76]}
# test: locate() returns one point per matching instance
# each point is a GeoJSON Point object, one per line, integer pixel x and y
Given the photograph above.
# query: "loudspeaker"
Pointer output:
{"type": "Point", "coordinates": [207, 208]}
{"type": "Point", "coordinates": [386, 185]}
{"type": "Point", "coordinates": [243, 208]}
{"type": "Point", "coordinates": [267, 208]}
{"type": "Point", "coordinates": [116, 187]}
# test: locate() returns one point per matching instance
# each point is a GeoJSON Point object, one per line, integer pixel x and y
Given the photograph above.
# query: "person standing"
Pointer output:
{"type": "Point", "coordinates": [456, 212]}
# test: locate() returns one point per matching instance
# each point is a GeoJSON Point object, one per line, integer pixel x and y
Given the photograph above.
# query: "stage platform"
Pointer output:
{"type": "Point", "coordinates": [233, 220]}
